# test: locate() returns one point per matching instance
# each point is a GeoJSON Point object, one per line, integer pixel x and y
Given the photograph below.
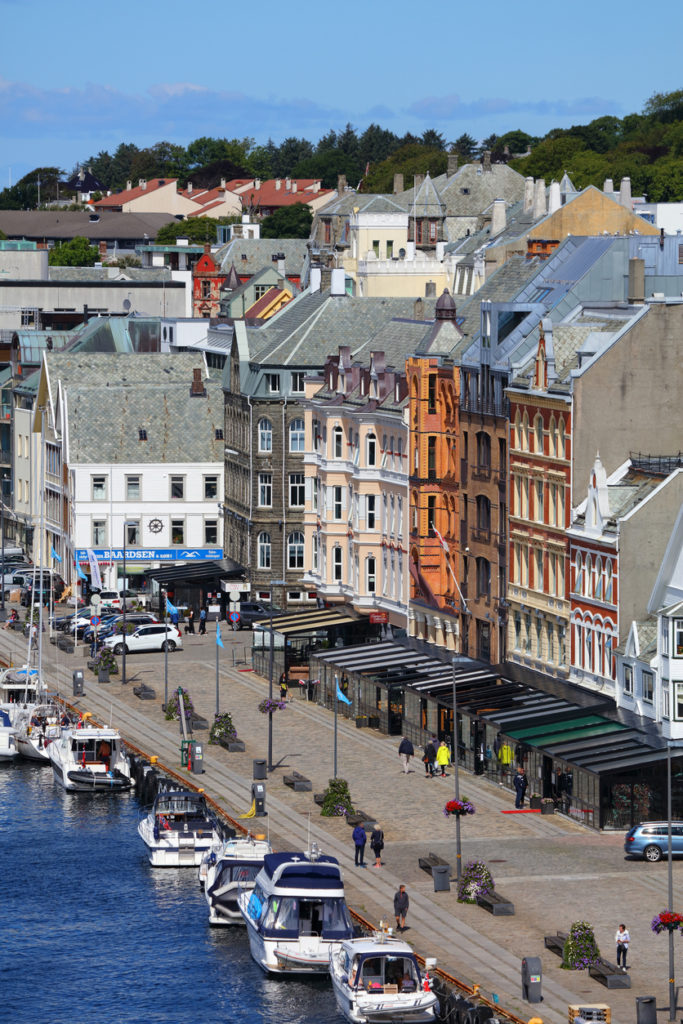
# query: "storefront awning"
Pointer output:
{"type": "Point", "coordinates": [305, 622]}
{"type": "Point", "coordinates": [198, 573]}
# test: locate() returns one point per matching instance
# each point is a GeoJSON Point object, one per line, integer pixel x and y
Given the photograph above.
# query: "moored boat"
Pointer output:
{"type": "Point", "coordinates": [378, 979]}
{"type": "Point", "coordinates": [179, 829]}
{"type": "Point", "coordinates": [295, 911]}
{"type": "Point", "coordinates": [232, 869]}
{"type": "Point", "coordinates": [88, 758]}
{"type": "Point", "coordinates": [8, 745]}
{"type": "Point", "coordinates": [38, 725]}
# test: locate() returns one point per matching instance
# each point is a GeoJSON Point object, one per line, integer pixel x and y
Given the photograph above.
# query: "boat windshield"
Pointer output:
{"type": "Point", "coordinates": [185, 804]}
{"type": "Point", "coordinates": [231, 872]}
{"type": "Point", "coordinates": [91, 750]}
{"type": "Point", "coordinates": [380, 973]}
{"type": "Point", "coordinates": [328, 918]}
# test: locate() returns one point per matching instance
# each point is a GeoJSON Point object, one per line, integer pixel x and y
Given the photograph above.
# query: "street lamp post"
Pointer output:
{"type": "Point", "coordinates": [126, 524]}
{"type": "Point", "coordinates": [273, 583]}
{"type": "Point", "coordinates": [672, 979]}
{"type": "Point", "coordinates": [458, 848]}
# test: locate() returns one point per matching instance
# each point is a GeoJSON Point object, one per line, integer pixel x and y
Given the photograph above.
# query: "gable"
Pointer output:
{"type": "Point", "coordinates": [591, 212]}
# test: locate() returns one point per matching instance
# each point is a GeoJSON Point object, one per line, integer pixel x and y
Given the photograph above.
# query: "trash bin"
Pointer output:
{"type": "Point", "coordinates": [646, 1010]}
{"type": "Point", "coordinates": [195, 760]}
{"type": "Point", "coordinates": [77, 682]}
{"type": "Point", "coordinates": [258, 793]}
{"type": "Point", "coordinates": [259, 771]}
{"type": "Point", "coordinates": [531, 979]}
{"type": "Point", "coordinates": [441, 873]}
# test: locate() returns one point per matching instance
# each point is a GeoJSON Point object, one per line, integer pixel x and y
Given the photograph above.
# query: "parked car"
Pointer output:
{"type": "Point", "coordinates": [30, 596]}
{"type": "Point", "coordinates": [252, 611]}
{"type": "Point", "coordinates": [147, 638]}
{"type": "Point", "coordinates": [650, 840]}
{"type": "Point", "coordinates": [109, 624]}
{"type": "Point", "coordinates": [110, 599]}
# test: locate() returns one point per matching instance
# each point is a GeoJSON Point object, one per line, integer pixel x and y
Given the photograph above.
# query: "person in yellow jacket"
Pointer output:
{"type": "Point", "coordinates": [443, 757]}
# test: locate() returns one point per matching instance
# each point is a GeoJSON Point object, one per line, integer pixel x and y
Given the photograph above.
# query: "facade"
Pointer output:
{"type": "Point", "coordinates": [159, 195]}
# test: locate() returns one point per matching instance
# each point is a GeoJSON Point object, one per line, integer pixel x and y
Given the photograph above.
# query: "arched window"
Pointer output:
{"type": "Point", "coordinates": [338, 443]}
{"type": "Point", "coordinates": [560, 441]}
{"type": "Point", "coordinates": [588, 578]}
{"type": "Point", "coordinates": [517, 431]}
{"type": "Point", "coordinates": [295, 550]}
{"type": "Point", "coordinates": [297, 436]}
{"type": "Point", "coordinates": [578, 574]}
{"type": "Point", "coordinates": [608, 582]}
{"type": "Point", "coordinates": [265, 435]}
{"type": "Point", "coordinates": [264, 548]}
{"type": "Point", "coordinates": [598, 578]}
{"type": "Point", "coordinates": [337, 563]}
{"type": "Point", "coordinates": [370, 574]}
{"type": "Point", "coordinates": [552, 432]}
{"type": "Point", "coordinates": [525, 432]}
{"type": "Point", "coordinates": [538, 434]}
{"type": "Point", "coordinates": [371, 449]}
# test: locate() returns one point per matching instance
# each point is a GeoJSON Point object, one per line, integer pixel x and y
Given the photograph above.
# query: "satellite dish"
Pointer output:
{"type": "Point", "coordinates": [126, 304]}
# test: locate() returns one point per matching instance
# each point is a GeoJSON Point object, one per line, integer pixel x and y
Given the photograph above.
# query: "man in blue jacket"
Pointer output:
{"type": "Point", "coordinates": [360, 838]}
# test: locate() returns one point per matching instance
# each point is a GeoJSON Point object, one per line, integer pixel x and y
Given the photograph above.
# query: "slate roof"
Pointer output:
{"type": "Point", "coordinates": [104, 274]}
{"type": "Point", "coordinates": [39, 225]}
{"type": "Point", "coordinates": [111, 395]}
{"type": "Point", "coordinates": [427, 202]}
{"type": "Point", "coordinates": [471, 189]}
{"type": "Point", "coordinates": [84, 181]}
{"type": "Point", "coordinates": [253, 254]}
{"type": "Point", "coordinates": [647, 638]}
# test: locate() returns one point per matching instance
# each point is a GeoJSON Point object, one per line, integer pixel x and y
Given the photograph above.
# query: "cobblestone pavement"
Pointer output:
{"type": "Point", "coordinates": [554, 870]}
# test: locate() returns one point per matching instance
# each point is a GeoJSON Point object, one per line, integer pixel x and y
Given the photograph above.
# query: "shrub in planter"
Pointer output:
{"type": "Point", "coordinates": [580, 949]}
{"type": "Point", "coordinates": [337, 799]}
{"type": "Point", "coordinates": [173, 706]}
{"type": "Point", "coordinates": [535, 801]}
{"type": "Point", "coordinates": [547, 805]}
{"type": "Point", "coordinates": [222, 730]}
{"type": "Point", "coordinates": [104, 660]}
{"type": "Point", "coordinates": [476, 881]}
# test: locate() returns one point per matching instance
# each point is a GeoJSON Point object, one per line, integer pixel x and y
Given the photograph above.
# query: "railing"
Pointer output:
{"type": "Point", "coordinates": [481, 534]}
{"type": "Point", "coordinates": [486, 406]}
{"type": "Point", "coordinates": [481, 472]}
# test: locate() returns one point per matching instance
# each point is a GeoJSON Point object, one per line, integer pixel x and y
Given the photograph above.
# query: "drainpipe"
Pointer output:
{"type": "Point", "coordinates": [251, 482]}
{"type": "Point", "coordinates": [284, 496]}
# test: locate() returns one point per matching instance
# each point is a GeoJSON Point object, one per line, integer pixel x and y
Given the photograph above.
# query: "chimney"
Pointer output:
{"type": "Point", "coordinates": [555, 199]}
{"type": "Point", "coordinates": [279, 259]}
{"type": "Point", "coordinates": [528, 194]}
{"type": "Point", "coordinates": [223, 183]}
{"type": "Point", "coordinates": [197, 390]}
{"type": "Point", "coordinates": [316, 185]}
{"type": "Point", "coordinates": [498, 217]}
{"type": "Point", "coordinates": [418, 310]}
{"type": "Point", "coordinates": [295, 186]}
{"type": "Point", "coordinates": [129, 185]}
{"type": "Point", "coordinates": [207, 248]}
{"type": "Point", "coordinates": [539, 209]}
{"type": "Point", "coordinates": [625, 194]}
{"type": "Point", "coordinates": [608, 187]}
{"type": "Point", "coordinates": [257, 183]}
{"type": "Point", "coordinates": [636, 281]}
{"type": "Point", "coordinates": [452, 167]}
{"type": "Point", "coordinates": [325, 278]}
{"type": "Point", "coordinates": [341, 184]}
{"type": "Point", "coordinates": [315, 278]}
{"type": "Point", "coordinates": [278, 183]}
{"type": "Point", "coordinates": [102, 247]}
{"type": "Point", "coordinates": [486, 161]}
{"type": "Point", "coordinates": [398, 183]}
{"type": "Point", "coordinates": [419, 178]}
{"type": "Point", "coordinates": [142, 183]}
{"type": "Point", "coordinates": [338, 282]}
{"type": "Point", "coordinates": [288, 184]}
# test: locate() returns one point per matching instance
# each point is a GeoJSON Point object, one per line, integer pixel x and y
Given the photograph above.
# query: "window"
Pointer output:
{"type": "Point", "coordinates": [337, 442]}
{"type": "Point", "coordinates": [273, 382]}
{"type": "Point", "coordinates": [295, 550]}
{"type": "Point", "coordinates": [263, 551]}
{"type": "Point", "coordinates": [578, 574]}
{"type": "Point", "coordinates": [598, 578]}
{"type": "Point", "coordinates": [538, 434]}
{"type": "Point", "coordinates": [518, 631]}
{"type": "Point", "coordinates": [538, 569]}
{"type": "Point", "coordinates": [390, 249]}
{"type": "Point", "coordinates": [298, 382]}
{"type": "Point", "coordinates": [265, 435]}
{"type": "Point", "coordinates": [431, 393]}
{"type": "Point", "coordinates": [177, 531]}
{"type": "Point", "coordinates": [206, 289]}
{"type": "Point", "coordinates": [431, 512]}
{"type": "Point", "coordinates": [648, 687]}
{"type": "Point", "coordinates": [317, 435]}
{"type": "Point", "coordinates": [218, 433]}
{"type": "Point", "coordinates": [211, 531]}
{"type": "Point", "coordinates": [99, 533]}
{"type": "Point", "coordinates": [99, 488]}
{"type": "Point", "coordinates": [315, 494]}
{"type": "Point", "coordinates": [337, 563]}
{"type": "Point", "coordinates": [483, 514]}
{"type": "Point", "coordinates": [132, 534]}
{"type": "Point", "coordinates": [483, 451]}
{"type": "Point", "coordinates": [133, 492]}
{"type": "Point", "coordinates": [296, 436]}
{"type": "Point", "coordinates": [210, 487]}
{"type": "Point", "coordinates": [177, 489]}
{"type": "Point", "coordinates": [483, 577]}
{"type": "Point", "coordinates": [297, 490]}
{"type": "Point", "coordinates": [371, 448]}
{"type": "Point", "coordinates": [337, 502]}
{"type": "Point", "coordinates": [316, 549]}
{"type": "Point", "coordinates": [539, 501]}
{"type": "Point", "coordinates": [265, 490]}
{"type": "Point", "coordinates": [371, 501]}
{"type": "Point", "coordinates": [678, 702]}
{"type": "Point", "coordinates": [550, 636]}
{"type": "Point", "coordinates": [628, 679]}
{"type": "Point", "coordinates": [375, 247]}
{"type": "Point", "coordinates": [431, 457]}
{"type": "Point", "coordinates": [678, 638]}
{"type": "Point", "coordinates": [371, 574]}
{"type": "Point", "coordinates": [666, 699]}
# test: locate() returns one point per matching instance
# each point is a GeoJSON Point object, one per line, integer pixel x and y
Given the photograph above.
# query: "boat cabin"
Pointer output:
{"type": "Point", "coordinates": [382, 974]}
{"type": "Point", "coordinates": [93, 749]}
{"type": "Point", "coordinates": [296, 896]}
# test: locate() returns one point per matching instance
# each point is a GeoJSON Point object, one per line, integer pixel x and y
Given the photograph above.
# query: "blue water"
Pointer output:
{"type": "Point", "coordinates": [92, 934]}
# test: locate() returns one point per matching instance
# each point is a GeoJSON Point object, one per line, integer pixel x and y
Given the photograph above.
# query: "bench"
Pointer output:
{"type": "Point", "coordinates": [609, 974]}
{"type": "Point", "coordinates": [361, 818]}
{"type": "Point", "coordinates": [555, 943]}
{"type": "Point", "coordinates": [495, 903]}
{"type": "Point", "coordinates": [319, 799]}
{"type": "Point", "coordinates": [432, 861]}
{"type": "Point", "coordinates": [197, 722]}
{"type": "Point", "coordinates": [299, 783]}
{"type": "Point", "coordinates": [145, 692]}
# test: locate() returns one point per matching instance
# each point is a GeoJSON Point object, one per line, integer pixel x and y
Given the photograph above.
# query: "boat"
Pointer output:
{"type": "Point", "coordinates": [38, 725]}
{"type": "Point", "coordinates": [295, 911]}
{"type": "Point", "coordinates": [179, 829]}
{"type": "Point", "coordinates": [20, 688]}
{"type": "Point", "coordinates": [234, 867]}
{"type": "Point", "coordinates": [88, 758]}
{"type": "Point", "coordinates": [378, 979]}
{"type": "Point", "coordinates": [8, 744]}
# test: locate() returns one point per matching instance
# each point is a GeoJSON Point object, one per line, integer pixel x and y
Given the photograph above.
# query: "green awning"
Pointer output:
{"type": "Point", "coordinates": [569, 731]}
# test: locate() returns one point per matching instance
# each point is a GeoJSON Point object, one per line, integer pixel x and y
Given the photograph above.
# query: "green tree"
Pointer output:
{"type": "Point", "coordinates": [408, 160]}
{"type": "Point", "coordinates": [76, 253]}
{"type": "Point", "coordinates": [433, 139]}
{"type": "Point", "coordinates": [376, 144]}
{"type": "Point", "coordinates": [198, 230]}
{"type": "Point", "coordinates": [206, 150]}
{"type": "Point", "coordinates": [465, 146]}
{"type": "Point", "coordinates": [516, 141]}
{"type": "Point", "coordinates": [665, 106]}
{"type": "Point", "coordinates": [290, 153]}
{"type": "Point", "coordinates": [288, 222]}
{"type": "Point", "coordinates": [327, 166]}
{"type": "Point", "coordinates": [41, 182]}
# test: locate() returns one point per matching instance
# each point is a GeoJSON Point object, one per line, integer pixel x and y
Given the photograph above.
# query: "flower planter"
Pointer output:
{"type": "Point", "coordinates": [373, 722]}
{"type": "Point", "coordinates": [547, 808]}
{"type": "Point", "coordinates": [103, 675]}
{"type": "Point", "coordinates": [361, 723]}
{"type": "Point", "coordinates": [234, 746]}
{"type": "Point", "coordinates": [535, 803]}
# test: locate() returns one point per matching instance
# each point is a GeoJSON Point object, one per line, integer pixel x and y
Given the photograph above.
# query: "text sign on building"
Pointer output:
{"type": "Point", "coordinates": [152, 554]}
{"type": "Point", "coordinates": [379, 618]}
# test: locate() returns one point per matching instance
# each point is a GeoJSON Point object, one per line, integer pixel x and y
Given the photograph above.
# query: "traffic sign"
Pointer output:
{"type": "Point", "coordinates": [95, 620]}
{"type": "Point", "coordinates": [234, 616]}
{"type": "Point", "coordinates": [95, 600]}
{"type": "Point", "coordinates": [234, 595]}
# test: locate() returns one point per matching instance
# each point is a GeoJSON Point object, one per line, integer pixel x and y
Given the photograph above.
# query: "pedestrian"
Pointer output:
{"type": "Point", "coordinates": [520, 783]}
{"type": "Point", "coordinates": [284, 685]}
{"type": "Point", "coordinates": [360, 838]}
{"type": "Point", "coordinates": [202, 622]}
{"type": "Point", "coordinates": [34, 636]}
{"type": "Point", "coordinates": [401, 904]}
{"type": "Point", "coordinates": [189, 625]}
{"type": "Point", "coordinates": [622, 939]}
{"type": "Point", "coordinates": [377, 845]}
{"type": "Point", "coordinates": [429, 758]}
{"type": "Point", "coordinates": [443, 758]}
{"type": "Point", "coordinates": [175, 618]}
{"type": "Point", "coordinates": [344, 684]}
{"type": "Point", "coordinates": [406, 750]}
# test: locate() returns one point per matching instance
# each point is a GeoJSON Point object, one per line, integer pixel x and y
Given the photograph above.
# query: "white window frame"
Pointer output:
{"type": "Point", "coordinates": [295, 550]}
{"type": "Point", "coordinates": [628, 680]}
{"type": "Point", "coordinates": [297, 481]}
{"type": "Point", "coordinates": [134, 487]}
{"type": "Point", "coordinates": [297, 435]}
{"type": "Point", "coordinates": [264, 549]}
{"type": "Point", "coordinates": [298, 386]}
{"type": "Point", "coordinates": [265, 490]}
{"type": "Point", "coordinates": [265, 436]}
{"type": "Point", "coordinates": [174, 481]}
{"type": "Point", "coordinates": [98, 483]}
{"type": "Point", "coordinates": [99, 533]}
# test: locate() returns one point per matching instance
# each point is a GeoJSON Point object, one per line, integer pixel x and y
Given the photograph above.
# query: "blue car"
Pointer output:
{"type": "Point", "coordinates": [650, 840]}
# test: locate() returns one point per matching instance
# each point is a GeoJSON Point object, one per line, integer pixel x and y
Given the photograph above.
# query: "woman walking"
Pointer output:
{"type": "Point", "coordinates": [377, 844]}
{"type": "Point", "coordinates": [443, 758]}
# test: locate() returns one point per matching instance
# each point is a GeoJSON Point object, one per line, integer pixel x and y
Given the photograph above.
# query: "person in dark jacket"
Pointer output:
{"type": "Point", "coordinates": [360, 838]}
{"type": "Point", "coordinates": [429, 759]}
{"type": "Point", "coordinates": [377, 845]}
{"type": "Point", "coordinates": [406, 750]}
{"type": "Point", "coordinates": [520, 783]}
{"type": "Point", "coordinates": [401, 904]}
{"type": "Point", "coordinates": [202, 622]}
{"type": "Point", "coordinates": [189, 628]}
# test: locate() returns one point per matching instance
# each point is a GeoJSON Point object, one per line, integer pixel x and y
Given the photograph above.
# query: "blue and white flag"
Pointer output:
{"type": "Point", "coordinates": [54, 554]}
{"type": "Point", "coordinates": [95, 578]}
{"type": "Point", "coordinates": [219, 640]}
{"type": "Point", "coordinates": [80, 571]}
{"type": "Point", "coordinates": [171, 608]}
{"type": "Point", "coordinates": [340, 695]}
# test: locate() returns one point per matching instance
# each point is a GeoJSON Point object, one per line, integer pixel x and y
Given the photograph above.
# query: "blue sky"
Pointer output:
{"type": "Point", "coordinates": [79, 78]}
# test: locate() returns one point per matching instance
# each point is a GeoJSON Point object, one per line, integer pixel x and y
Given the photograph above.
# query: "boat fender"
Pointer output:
{"type": "Point", "coordinates": [426, 985]}
{"type": "Point", "coordinates": [156, 833]}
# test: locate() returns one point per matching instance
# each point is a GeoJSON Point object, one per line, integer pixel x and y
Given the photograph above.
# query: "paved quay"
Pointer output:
{"type": "Point", "coordinates": [554, 870]}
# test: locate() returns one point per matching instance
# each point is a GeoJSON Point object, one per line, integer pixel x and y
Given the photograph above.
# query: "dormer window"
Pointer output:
{"type": "Point", "coordinates": [142, 434]}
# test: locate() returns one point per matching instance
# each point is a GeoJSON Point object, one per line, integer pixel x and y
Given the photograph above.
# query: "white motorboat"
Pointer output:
{"type": "Point", "coordinates": [89, 758]}
{"type": "Point", "coordinates": [378, 979]}
{"type": "Point", "coordinates": [8, 745]}
{"type": "Point", "coordinates": [20, 688]}
{"type": "Point", "coordinates": [295, 911]}
{"type": "Point", "coordinates": [230, 870]}
{"type": "Point", "coordinates": [179, 829]}
{"type": "Point", "coordinates": [38, 725]}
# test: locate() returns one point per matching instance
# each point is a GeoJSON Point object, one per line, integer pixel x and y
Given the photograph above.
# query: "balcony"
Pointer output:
{"type": "Point", "coordinates": [481, 534]}
{"type": "Point", "coordinates": [482, 472]}
{"type": "Point", "coordinates": [5, 458]}
{"type": "Point", "coordinates": [485, 406]}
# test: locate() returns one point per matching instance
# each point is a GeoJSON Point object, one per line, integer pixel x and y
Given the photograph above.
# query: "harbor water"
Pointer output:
{"type": "Point", "coordinates": [93, 933]}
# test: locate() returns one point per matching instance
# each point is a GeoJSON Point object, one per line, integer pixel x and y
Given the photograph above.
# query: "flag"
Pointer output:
{"type": "Point", "coordinates": [95, 578]}
{"type": "Point", "coordinates": [80, 571]}
{"type": "Point", "coordinates": [443, 543]}
{"type": "Point", "coordinates": [340, 695]}
{"type": "Point", "coordinates": [54, 554]}
{"type": "Point", "coordinates": [219, 641]}
{"type": "Point", "coordinates": [171, 608]}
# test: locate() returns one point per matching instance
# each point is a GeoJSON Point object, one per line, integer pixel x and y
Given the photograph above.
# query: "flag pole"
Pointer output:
{"type": "Point", "coordinates": [218, 636]}
{"type": "Point", "coordinates": [336, 703]}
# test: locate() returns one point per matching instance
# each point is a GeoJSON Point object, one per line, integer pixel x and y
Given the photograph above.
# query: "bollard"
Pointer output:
{"type": "Point", "coordinates": [646, 1010]}
{"type": "Point", "coordinates": [259, 769]}
{"type": "Point", "coordinates": [77, 683]}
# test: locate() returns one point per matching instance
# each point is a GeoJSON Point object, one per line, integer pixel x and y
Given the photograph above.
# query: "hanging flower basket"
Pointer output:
{"type": "Point", "coordinates": [267, 707]}
{"type": "Point", "coordinates": [667, 921]}
{"type": "Point", "coordinates": [458, 808]}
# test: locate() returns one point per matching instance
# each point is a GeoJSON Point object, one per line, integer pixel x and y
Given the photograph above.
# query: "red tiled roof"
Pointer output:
{"type": "Point", "coordinates": [269, 196]}
{"type": "Point", "coordinates": [119, 198]}
{"type": "Point", "coordinates": [205, 207]}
